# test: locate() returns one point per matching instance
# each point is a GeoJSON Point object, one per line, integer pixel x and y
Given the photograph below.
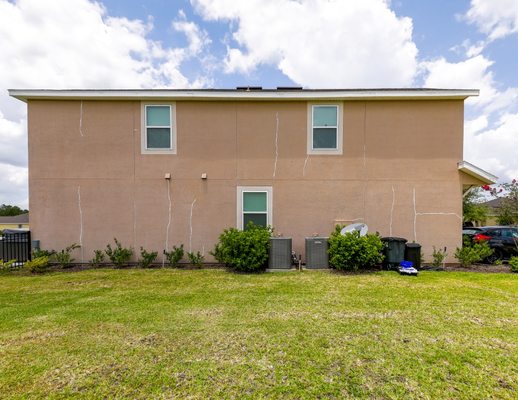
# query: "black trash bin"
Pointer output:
{"type": "Point", "coordinates": [413, 253]}
{"type": "Point", "coordinates": [394, 251]}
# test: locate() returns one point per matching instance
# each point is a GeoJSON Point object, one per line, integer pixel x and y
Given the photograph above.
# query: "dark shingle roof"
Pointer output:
{"type": "Point", "coordinates": [495, 203]}
{"type": "Point", "coordinates": [16, 219]}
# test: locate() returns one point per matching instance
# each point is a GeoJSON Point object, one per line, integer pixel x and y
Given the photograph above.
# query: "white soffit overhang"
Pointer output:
{"type": "Point", "coordinates": [251, 95]}
{"type": "Point", "coordinates": [477, 172]}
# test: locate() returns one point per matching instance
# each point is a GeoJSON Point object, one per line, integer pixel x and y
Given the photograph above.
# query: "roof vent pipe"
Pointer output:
{"type": "Point", "coordinates": [249, 88]}
{"type": "Point", "coordinates": [289, 87]}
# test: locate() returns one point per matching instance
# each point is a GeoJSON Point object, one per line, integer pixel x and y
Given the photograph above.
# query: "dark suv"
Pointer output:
{"type": "Point", "coordinates": [503, 239]}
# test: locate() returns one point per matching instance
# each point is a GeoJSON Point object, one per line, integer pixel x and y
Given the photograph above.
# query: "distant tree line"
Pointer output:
{"type": "Point", "coordinates": [7, 210]}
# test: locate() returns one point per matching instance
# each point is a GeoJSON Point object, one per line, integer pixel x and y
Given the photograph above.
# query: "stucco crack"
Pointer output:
{"type": "Point", "coordinates": [81, 118]}
{"type": "Point", "coordinates": [392, 210]}
{"type": "Point", "coordinates": [134, 222]}
{"type": "Point", "coordinates": [168, 219]}
{"type": "Point", "coordinates": [364, 135]}
{"type": "Point", "coordinates": [416, 214]}
{"type": "Point", "coordinates": [276, 143]}
{"type": "Point", "coordinates": [80, 222]}
{"type": "Point", "coordinates": [304, 167]}
{"type": "Point", "coordinates": [415, 217]}
{"type": "Point", "coordinates": [190, 225]}
{"type": "Point", "coordinates": [439, 213]}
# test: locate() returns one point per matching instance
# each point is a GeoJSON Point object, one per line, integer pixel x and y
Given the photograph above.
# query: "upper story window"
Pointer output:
{"type": "Point", "coordinates": [158, 129]}
{"type": "Point", "coordinates": [325, 129]}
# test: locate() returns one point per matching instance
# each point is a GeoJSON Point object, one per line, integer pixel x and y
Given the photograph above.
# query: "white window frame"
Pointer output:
{"type": "Point", "coordinates": [269, 202]}
{"type": "Point", "coordinates": [339, 129]}
{"type": "Point", "coordinates": [144, 126]}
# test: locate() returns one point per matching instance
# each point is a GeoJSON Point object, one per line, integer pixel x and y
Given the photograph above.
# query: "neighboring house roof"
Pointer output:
{"type": "Point", "coordinates": [495, 203]}
{"type": "Point", "coordinates": [15, 219]}
{"type": "Point", "coordinates": [476, 172]}
{"type": "Point", "coordinates": [245, 93]}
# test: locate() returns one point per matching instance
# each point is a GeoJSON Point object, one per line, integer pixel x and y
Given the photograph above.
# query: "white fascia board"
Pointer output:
{"type": "Point", "coordinates": [252, 95]}
{"type": "Point", "coordinates": [477, 172]}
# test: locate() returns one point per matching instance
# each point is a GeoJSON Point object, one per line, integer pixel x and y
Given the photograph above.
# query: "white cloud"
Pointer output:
{"type": "Point", "coordinates": [489, 145]}
{"type": "Point", "coordinates": [476, 125]}
{"type": "Point", "coordinates": [198, 38]}
{"type": "Point", "coordinates": [491, 139]}
{"type": "Point", "coordinates": [13, 142]}
{"type": "Point", "coordinates": [494, 149]}
{"type": "Point", "coordinates": [13, 184]}
{"type": "Point", "coordinates": [469, 49]}
{"type": "Point", "coordinates": [495, 18]}
{"type": "Point", "coordinates": [76, 44]}
{"type": "Point", "coordinates": [319, 43]}
{"type": "Point", "coordinates": [472, 73]}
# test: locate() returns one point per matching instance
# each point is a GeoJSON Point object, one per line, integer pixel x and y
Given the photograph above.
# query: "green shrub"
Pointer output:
{"type": "Point", "coordinates": [146, 258]}
{"type": "Point", "coordinates": [195, 259]}
{"type": "Point", "coordinates": [98, 258]}
{"type": "Point", "coordinates": [7, 265]}
{"type": "Point", "coordinates": [471, 254]}
{"type": "Point", "coordinates": [513, 262]}
{"type": "Point", "coordinates": [119, 255]}
{"type": "Point", "coordinates": [351, 251]}
{"type": "Point", "coordinates": [174, 256]}
{"type": "Point", "coordinates": [37, 253]}
{"type": "Point", "coordinates": [438, 256]}
{"type": "Point", "coordinates": [38, 264]}
{"type": "Point", "coordinates": [246, 250]}
{"type": "Point", "coordinates": [64, 257]}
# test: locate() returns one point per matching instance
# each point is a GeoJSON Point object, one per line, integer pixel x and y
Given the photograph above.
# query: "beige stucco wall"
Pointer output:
{"type": "Point", "coordinates": [89, 181]}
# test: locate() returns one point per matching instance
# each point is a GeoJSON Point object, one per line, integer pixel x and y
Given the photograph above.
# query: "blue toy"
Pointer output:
{"type": "Point", "coordinates": [407, 268]}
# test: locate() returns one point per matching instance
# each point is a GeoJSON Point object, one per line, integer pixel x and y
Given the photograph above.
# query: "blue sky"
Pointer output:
{"type": "Point", "coordinates": [269, 43]}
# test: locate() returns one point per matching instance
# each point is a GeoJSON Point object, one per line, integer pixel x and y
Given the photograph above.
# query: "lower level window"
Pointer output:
{"type": "Point", "coordinates": [254, 205]}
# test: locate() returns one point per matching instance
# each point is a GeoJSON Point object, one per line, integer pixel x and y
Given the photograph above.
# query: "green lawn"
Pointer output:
{"type": "Point", "coordinates": [213, 334]}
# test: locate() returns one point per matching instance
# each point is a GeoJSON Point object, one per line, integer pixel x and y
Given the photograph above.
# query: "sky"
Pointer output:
{"type": "Point", "coordinates": [462, 44]}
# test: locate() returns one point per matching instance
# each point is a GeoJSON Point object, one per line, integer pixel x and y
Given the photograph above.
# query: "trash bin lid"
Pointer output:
{"type": "Point", "coordinates": [393, 239]}
{"type": "Point", "coordinates": [413, 245]}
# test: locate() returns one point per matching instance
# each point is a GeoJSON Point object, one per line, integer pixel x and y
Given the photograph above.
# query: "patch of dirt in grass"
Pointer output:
{"type": "Point", "coordinates": [150, 340]}
{"type": "Point", "coordinates": [486, 268]}
{"type": "Point", "coordinates": [34, 337]}
{"type": "Point", "coordinates": [78, 378]}
{"type": "Point", "coordinates": [311, 315]}
{"type": "Point", "coordinates": [205, 312]}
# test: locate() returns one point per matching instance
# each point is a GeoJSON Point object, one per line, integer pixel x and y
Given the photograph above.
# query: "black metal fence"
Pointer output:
{"type": "Point", "coordinates": [15, 246]}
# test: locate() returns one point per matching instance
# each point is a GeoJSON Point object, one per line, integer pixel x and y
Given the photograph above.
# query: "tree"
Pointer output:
{"type": "Point", "coordinates": [472, 209]}
{"type": "Point", "coordinates": [9, 211]}
{"type": "Point", "coordinates": [507, 212]}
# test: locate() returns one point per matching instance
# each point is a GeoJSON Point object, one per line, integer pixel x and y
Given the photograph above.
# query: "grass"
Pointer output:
{"type": "Point", "coordinates": [213, 334]}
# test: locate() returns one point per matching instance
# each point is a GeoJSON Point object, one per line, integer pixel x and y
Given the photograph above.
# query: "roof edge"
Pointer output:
{"type": "Point", "coordinates": [477, 172]}
{"type": "Point", "coordinates": [232, 94]}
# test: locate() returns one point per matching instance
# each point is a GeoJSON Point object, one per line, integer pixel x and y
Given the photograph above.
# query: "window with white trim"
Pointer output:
{"type": "Point", "coordinates": [254, 204]}
{"type": "Point", "coordinates": [325, 129]}
{"type": "Point", "coordinates": [158, 128]}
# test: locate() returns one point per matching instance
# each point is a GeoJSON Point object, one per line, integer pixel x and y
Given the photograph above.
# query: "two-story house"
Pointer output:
{"type": "Point", "coordinates": [156, 168]}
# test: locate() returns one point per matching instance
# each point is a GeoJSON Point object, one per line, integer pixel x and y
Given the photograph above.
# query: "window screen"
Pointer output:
{"type": "Point", "coordinates": [255, 208]}
{"type": "Point", "coordinates": [158, 127]}
{"type": "Point", "coordinates": [325, 127]}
